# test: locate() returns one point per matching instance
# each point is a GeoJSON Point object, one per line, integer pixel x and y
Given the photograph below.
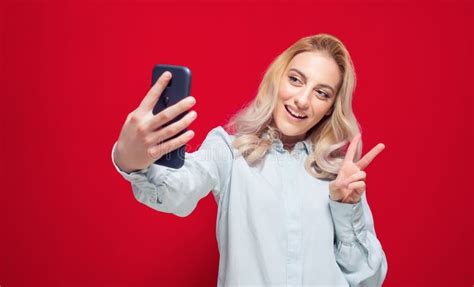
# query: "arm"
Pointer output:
{"type": "Point", "coordinates": [178, 191]}
{"type": "Point", "coordinates": [358, 252]}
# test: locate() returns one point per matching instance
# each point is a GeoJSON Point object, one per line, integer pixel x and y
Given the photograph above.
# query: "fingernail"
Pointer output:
{"type": "Point", "coordinates": [167, 75]}
{"type": "Point", "coordinates": [192, 100]}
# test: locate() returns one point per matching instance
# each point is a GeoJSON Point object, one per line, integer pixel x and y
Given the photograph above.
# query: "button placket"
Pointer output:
{"type": "Point", "coordinates": [293, 224]}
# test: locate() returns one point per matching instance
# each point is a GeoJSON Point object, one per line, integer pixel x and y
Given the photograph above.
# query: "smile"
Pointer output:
{"type": "Point", "coordinates": [295, 114]}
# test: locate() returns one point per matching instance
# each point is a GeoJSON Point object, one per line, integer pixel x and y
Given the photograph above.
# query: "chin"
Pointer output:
{"type": "Point", "coordinates": [289, 129]}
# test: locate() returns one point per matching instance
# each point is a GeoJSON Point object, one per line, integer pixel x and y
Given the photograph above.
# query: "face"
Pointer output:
{"type": "Point", "coordinates": [306, 93]}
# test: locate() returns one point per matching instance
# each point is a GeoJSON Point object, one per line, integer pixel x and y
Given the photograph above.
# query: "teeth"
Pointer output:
{"type": "Point", "coordinates": [295, 113]}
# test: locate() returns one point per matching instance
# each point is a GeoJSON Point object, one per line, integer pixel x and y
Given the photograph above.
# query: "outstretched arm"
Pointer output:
{"type": "Point", "coordinates": [178, 191]}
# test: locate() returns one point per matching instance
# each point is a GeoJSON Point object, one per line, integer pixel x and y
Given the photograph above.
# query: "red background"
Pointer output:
{"type": "Point", "coordinates": [71, 71]}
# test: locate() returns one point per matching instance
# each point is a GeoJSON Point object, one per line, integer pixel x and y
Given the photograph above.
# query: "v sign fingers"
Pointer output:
{"type": "Point", "coordinates": [367, 159]}
{"type": "Point", "coordinates": [351, 151]}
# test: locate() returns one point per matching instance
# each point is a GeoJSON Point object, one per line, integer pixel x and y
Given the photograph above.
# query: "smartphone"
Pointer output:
{"type": "Point", "coordinates": [179, 87]}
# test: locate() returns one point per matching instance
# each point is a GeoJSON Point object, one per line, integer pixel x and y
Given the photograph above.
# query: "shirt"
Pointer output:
{"type": "Point", "coordinates": [276, 225]}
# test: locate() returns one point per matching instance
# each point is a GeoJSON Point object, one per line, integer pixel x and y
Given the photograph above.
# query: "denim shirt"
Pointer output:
{"type": "Point", "coordinates": [276, 225]}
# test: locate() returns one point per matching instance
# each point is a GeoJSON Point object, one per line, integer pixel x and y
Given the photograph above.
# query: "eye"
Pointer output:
{"type": "Point", "coordinates": [293, 79]}
{"type": "Point", "coordinates": [323, 93]}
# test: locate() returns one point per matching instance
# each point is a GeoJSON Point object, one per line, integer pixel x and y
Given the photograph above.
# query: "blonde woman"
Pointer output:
{"type": "Point", "coordinates": [292, 208]}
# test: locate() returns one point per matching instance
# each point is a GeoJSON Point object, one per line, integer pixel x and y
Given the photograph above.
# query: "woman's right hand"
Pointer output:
{"type": "Point", "coordinates": [141, 140]}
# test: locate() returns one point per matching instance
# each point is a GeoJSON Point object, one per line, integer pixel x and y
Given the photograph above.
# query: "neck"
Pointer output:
{"type": "Point", "coordinates": [290, 141]}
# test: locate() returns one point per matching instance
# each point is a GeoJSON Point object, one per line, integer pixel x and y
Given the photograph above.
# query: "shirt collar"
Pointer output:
{"type": "Point", "coordinates": [304, 145]}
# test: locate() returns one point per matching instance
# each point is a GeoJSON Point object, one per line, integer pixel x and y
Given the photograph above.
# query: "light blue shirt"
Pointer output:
{"type": "Point", "coordinates": [276, 225]}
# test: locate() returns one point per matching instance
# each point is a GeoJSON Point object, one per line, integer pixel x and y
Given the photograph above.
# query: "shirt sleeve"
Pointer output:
{"type": "Point", "coordinates": [178, 191]}
{"type": "Point", "coordinates": [358, 252]}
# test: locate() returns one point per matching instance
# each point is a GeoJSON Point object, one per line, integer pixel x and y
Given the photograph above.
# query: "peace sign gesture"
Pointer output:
{"type": "Point", "coordinates": [349, 184]}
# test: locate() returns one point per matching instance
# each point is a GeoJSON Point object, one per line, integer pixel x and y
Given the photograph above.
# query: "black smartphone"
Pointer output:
{"type": "Point", "coordinates": [179, 87]}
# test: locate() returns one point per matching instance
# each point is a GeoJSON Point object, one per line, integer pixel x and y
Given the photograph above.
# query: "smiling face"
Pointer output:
{"type": "Point", "coordinates": [306, 94]}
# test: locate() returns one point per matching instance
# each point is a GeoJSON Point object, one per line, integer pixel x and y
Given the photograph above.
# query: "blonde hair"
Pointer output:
{"type": "Point", "coordinates": [328, 137]}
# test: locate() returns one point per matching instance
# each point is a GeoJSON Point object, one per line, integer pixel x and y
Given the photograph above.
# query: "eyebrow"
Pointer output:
{"type": "Point", "coordinates": [321, 85]}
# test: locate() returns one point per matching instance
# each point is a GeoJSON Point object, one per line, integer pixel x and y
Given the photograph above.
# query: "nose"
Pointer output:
{"type": "Point", "coordinates": [302, 100]}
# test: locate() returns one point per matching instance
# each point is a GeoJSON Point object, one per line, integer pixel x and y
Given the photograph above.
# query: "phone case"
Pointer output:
{"type": "Point", "coordinates": [178, 88]}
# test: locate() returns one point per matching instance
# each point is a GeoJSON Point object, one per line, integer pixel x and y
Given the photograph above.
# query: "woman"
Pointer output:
{"type": "Point", "coordinates": [291, 202]}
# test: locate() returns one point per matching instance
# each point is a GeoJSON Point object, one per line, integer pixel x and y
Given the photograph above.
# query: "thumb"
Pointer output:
{"type": "Point", "coordinates": [153, 95]}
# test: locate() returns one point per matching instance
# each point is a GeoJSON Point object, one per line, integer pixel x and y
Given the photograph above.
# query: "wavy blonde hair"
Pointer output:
{"type": "Point", "coordinates": [328, 137]}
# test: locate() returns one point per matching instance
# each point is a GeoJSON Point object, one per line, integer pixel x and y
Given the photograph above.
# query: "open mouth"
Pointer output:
{"type": "Point", "coordinates": [294, 114]}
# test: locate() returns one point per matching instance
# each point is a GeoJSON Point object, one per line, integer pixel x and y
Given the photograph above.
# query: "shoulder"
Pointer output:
{"type": "Point", "coordinates": [219, 131]}
{"type": "Point", "coordinates": [219, 140]}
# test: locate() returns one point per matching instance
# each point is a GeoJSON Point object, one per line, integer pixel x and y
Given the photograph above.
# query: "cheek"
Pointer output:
{"type": "Point", "coordinates": [320, 107]}
{"type": "Point", "coordinates": [279, 110]}
{"type": "Point", "coordinates": [285, 92]}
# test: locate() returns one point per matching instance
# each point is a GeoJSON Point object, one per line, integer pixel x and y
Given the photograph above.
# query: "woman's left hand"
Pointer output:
{"type": "Point", "coordinates": [349, 184]}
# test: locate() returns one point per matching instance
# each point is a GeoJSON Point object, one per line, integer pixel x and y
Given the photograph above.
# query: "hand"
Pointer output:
{"type": "Point", "coordinates": [349, 184]}
{"type": "Point", "coordinates": [141, 140]}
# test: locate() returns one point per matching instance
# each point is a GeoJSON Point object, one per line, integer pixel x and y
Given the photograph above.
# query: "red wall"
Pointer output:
{"type": "Point", "coordinates": [71, 71]}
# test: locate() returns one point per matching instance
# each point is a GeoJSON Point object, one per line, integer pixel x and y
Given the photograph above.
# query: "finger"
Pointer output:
{"type": "Point", "coordinates": [357, 185]}
{"type": "Point", "coordinates": [173, 129]}
{"type": "Point", "coordinates": [367, 159]}
{"type": "Point", "coordinates": [351, 151]}
{"type": "Point", "coordinates": [346, 197]}
{"type": "Point", "coordinates": [360, 175]}
{"type": "Point", "coordinates": [170, 113]}
{"type": "Point", "coordinates": [354, 195]}
{"type": "Point", "coordinates": [158, 151]}
{"type": "Point", "coordinates": [154, 93]}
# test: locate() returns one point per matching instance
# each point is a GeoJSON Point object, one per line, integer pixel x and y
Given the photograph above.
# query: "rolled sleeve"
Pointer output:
{"type": "Point", "coordinates": [348, 220]}
{"type": "Point", "coordinates": [178, 191]}
{"type": "Point", "coordinates": [357, 248]}
{"type": "Point", "coordinates": [142, 181]}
